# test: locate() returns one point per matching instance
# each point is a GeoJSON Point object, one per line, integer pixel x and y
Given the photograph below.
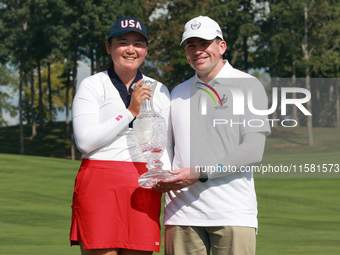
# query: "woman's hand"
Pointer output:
{"type": "Point", "coordinates": [138, 95]}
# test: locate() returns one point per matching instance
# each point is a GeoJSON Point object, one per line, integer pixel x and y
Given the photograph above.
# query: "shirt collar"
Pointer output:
{"type": "Point", "coordinates": [121, 87]}
{"type": "Point", "coordinates": [225, 72]}
{"type": "Point", "coordinates": [117, 82]}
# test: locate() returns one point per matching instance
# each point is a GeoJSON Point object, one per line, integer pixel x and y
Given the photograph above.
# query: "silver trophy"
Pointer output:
{"type": "Point", "coordinates": [150, 134]}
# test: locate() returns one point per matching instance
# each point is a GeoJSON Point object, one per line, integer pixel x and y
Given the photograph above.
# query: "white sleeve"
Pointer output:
{"type": "Point", "coordinates": [90, 133]}
{"type": "Point", "coordinates": [249, 152]}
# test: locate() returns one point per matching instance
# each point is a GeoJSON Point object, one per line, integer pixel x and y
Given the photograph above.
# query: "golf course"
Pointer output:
{"type": "Point", "coordinates": [298, 211]}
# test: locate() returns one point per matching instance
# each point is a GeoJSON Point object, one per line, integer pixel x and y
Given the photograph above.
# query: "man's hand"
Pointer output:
{"type": "Point", "coordinates": [182, 178]}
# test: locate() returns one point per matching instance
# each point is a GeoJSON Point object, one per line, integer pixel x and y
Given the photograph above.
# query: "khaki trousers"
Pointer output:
{"type": "Point", "coordinates": [225, 240]}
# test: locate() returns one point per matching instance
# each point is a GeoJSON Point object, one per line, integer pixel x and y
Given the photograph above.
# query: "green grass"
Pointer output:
{"type": "Point", "coordinates": [296, 215]}
{"type": "Point", "coordinates": [300, 213]}
{"type": "Point", "coordinates": [294, 141]}
{"type": "Point", "coordinates": [35, 204]}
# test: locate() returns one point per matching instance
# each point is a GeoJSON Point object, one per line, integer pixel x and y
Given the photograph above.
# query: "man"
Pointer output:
{"type": "Point", "coordinates": [210, 203]}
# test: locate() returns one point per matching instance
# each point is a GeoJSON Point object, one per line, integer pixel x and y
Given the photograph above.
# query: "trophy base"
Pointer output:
{"type": "Point", "coordinates": [150, 178]}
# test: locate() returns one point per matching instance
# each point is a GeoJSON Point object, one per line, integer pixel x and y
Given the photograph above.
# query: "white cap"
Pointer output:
{"type": "Point", "coordinates": [202, 27]}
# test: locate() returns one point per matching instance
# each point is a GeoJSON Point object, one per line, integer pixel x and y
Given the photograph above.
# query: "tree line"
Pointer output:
{"type": "Point", "coordinates": [44, 40]}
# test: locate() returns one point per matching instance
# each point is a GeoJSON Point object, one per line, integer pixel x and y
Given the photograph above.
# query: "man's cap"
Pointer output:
{"type": "Point", "coordinates": [127, 24]}
{"type": "Point", "coordinates": [202, 27]}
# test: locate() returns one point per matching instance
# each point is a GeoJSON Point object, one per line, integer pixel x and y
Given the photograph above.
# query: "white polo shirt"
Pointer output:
{"type": "Point", "coordinates": [101, 121]}
{"type": "Point", "coordinates": [224, 201]}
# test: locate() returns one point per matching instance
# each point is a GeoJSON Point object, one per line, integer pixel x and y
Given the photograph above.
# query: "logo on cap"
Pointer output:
{"type": "Point", "coordinates": [195, 25]}
{"type": "Point", "coordinates": [130, 23]}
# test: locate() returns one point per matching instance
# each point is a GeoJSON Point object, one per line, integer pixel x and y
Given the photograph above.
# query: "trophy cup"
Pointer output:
{"type": "Point", "coordinates": [149, 131]}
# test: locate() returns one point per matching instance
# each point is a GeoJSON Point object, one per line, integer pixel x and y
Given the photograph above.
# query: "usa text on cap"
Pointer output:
{"type": "Point", "coordinates": [127, 24]}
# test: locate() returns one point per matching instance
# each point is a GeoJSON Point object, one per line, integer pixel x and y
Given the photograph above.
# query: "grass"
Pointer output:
{"type": "Point", "coordinates": [35, 201]}
{"type": "Point", "coordinates": [294, 141]}
{"type": "Point", "coordinates": [297, 215]}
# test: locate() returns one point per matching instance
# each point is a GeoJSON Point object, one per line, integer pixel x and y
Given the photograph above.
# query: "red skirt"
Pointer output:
{"type": "Point", "coordinates": [110, 210]}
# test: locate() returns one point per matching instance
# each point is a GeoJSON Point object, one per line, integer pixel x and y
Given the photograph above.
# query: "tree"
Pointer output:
{"type": "Point", "coordinates": [47, 30]}
{"type": "Point", "coordinates": [240, 22]}
{"type": "Point", "coordinates": [9, 80]}
{"type": "Point", "coordinates": [40, 38]}
{"type": "Point", "coordinates": [319, 41]}
{"type": "Point", "coordinates": [279, 44]}
{"type": "Point", "coordinates": [166, 59]}
{"type": "Point", "coordinates": [300, 39]}
{"type": "Point", "coordinates": [14, 37]}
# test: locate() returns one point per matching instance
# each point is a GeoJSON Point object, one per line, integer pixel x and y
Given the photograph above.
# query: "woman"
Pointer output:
{"type": "Point", "coordinates": [111, 214]}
